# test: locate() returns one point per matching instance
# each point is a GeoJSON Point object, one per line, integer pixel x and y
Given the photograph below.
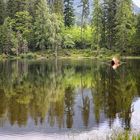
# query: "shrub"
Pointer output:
{"type": "Point", "coordinates": [73, 37]}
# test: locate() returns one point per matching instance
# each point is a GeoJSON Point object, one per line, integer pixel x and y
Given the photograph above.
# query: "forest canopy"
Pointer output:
{"type": "Point", "coordinates": [33, 25]}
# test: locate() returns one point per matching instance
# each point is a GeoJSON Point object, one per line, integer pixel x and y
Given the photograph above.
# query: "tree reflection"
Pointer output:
{"type": "Point", "coordinates": [85, 108]}
{"type": "Point", "coordinates": [113, 93]}
{"type": "Point", "coordinates": [46, 92]}
{"type": "Point", "coordinates": [69, 104]}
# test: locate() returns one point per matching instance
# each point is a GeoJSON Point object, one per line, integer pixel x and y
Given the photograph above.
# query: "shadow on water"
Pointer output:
{"type": "Point", "coordinates": [52, 97]}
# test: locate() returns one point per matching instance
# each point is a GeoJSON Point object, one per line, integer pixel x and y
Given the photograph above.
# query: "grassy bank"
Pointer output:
{"type": "Point", "coordinates": [125, 136]}
{"type": "Point", "coordinates": [103, 54]}
{"type": "Point", "coordinates": [63, 53]}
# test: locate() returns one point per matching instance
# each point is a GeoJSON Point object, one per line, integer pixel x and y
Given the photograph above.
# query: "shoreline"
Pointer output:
{"type": "Point", "coordinates": [73, 54]}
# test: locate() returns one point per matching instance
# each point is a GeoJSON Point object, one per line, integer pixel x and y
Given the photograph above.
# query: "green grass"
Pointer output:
{"type": "Point", "coordinates": [131, 57]}
{"type": "Point", "coordinates": [103, 54]}
{"type": "Point", "coordinates": [29, 55]}
{"type": "Point", "coordinates": [125, 136]}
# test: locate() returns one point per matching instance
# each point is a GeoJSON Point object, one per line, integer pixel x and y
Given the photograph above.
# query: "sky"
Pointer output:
{"type": "Point", "coordinates": [137, 2]}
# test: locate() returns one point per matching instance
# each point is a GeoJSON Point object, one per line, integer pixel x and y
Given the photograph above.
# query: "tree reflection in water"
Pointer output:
{"type": "Point", "coordinates": [47, 92]}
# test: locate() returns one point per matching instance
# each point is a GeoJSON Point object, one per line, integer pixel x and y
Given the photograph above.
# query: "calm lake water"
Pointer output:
{"type": "Point", "coordinates": [52, 99]}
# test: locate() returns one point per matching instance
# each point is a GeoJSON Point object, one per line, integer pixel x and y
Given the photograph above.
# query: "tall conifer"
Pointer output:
{"type": "Point", "coordinates": [68, 13]}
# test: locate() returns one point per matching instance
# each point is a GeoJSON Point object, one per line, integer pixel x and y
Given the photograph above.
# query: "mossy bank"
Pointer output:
{"type": "Point", "coordinates": [63, 54]}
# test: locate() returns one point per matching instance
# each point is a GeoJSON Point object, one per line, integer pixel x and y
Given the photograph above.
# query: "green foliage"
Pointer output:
{"type": "Point", "coordinates": [57, 7]}
{"type": "Point", "coordinates": [68, 41]}
{"type": "Point", "coordinates": [68, 13]}
{"type": "Point", "coordinates": [9, 42]}
{"type": "Point", "coordinates": [125, 136]}
{"type": "Point", "coordinates": [84, 18]}
{"type": "Point", "coordinates": [136, 39]}
{"type": "Point", "coordinates": [2, 11]}
{"type": "Point", "coordinates": [85, 11]}
{"type": "Point", "coordinates": [110, 21]}
{"type": "Point", "coordinates": [32, 8]}
{"type": "Point", "coordinates": [55, 31]}
{"type": "Point", "coordinates": [47, 28]}
{"type": "Point", "coordinates": [22, 24]}
{"type": "Point", "coordinates": [29, 55]}
{"type": "Point", "coordinates": [15, 33]}
{"type": "Point", "coordinates": [22, 43]}
{"type": "Point", "coordinates": [11, 8]}
{"type": "Point", "coordinates": [14, 6]}
{"type": "Point", "coordinates": [74, 36]}
{"type": "Point", "coordinates": [113, 24]}
{"type": "Point", "coordinates": [42, 24]}
{"type": "Point", "coordinates": [21, 28]}
{"type": "Point", "coordinates": [39, 24]}
{"type": "Point", "coordinates": [97, 24]}
{"type": "Point", "coordinates": [125, 24]}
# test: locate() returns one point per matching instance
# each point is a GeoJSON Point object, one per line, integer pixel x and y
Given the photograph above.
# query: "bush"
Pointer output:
{"type": "Point", "coordinates": [28, 55]}
{"type": "Point", "coordinates": [72, 36]}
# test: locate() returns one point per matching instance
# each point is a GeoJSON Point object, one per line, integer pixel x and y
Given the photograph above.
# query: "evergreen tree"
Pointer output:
{"type": "Point", "coordinates": [57, 6]}
{"type": "Point", "coordinates": [124, 19]}
{"type": "Point", "coordinates": [9, 42]}
{"type": "Point", "coordinates": [22, 27]}
{"type": "Point", "coordinates": [32, 8]}
{"type": "Point", "coordinates": [55, 32]}
{"type": "Point", "coordinates": [2, 11]}
{"type": "Point", "coordinates": [85, 12]}
{"type": "Point", "coordinates": [104, 27]}
{"type": "Point", "coordinates": [42, 24]}
{"type": "Point", "coordinates": [11, 10]}
{"type": "Point", "coordinates": [68, 13]}
{"type": "Point", "coordinates": [111, 23]}
{"type": "Point", "coordinates": [14, 6]}
{"type": "Point", "coordinates": [97, 24]}
{"type": "Point", "coordinates": [84, 16]}
{"type": "Point", "coordinates": [136, 40]}
{"type": "Point", "coordinates": [22, 24]}
{"type": "Point", "coordinates": [138, 28]}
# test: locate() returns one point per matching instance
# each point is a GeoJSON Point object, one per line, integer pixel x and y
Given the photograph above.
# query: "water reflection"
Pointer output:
{"type": "Point", "coordinates": [61, 95]}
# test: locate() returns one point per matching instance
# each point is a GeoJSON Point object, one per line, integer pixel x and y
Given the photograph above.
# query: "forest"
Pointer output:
{"type": "Point", "coordinates": [51, 26]}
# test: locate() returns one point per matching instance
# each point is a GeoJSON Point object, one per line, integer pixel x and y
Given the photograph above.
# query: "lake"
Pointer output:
{"type": "Point", "coordinates": [62, 99]}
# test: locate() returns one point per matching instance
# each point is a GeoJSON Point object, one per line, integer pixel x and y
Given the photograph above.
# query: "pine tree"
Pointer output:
{"type": "Point", "coordinates": [124, 19]}
{"type": "Point", "coordinates": [22, 27]}
{"type": "Point", "coordinates": [97, 24]}
{"type": "Point", "coordinates": [68, 13]}
{"type": "Point", "coordinates": [22, 24]}
{"type": "Point", "coordinates": [42, 25]}
{"type": "Point", "coordinates": [110, 11]}
{"type": "Point", "coordinates": [11, 10]}
{"type": "Point", "coordinates": [84, 16]}
{"type": "Point", "coordinates": [85, 12]}
{"type": "Point", "coordinates": [2, 11]}
{"type": "Point", "coordinates": [14, 6]}
{"type": "Point", "coordinates": [55, 33]}
{"type": "Point", "coordinates": [8, 39]}
{"type": "Point", "coordinates": [57, 6]}
{"type": "Point", "coordinates": [32, 8]}
{"type": "Point", "coordinates": [104, 27]}
{"type": "Point", "coordinates": [136, 39]}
